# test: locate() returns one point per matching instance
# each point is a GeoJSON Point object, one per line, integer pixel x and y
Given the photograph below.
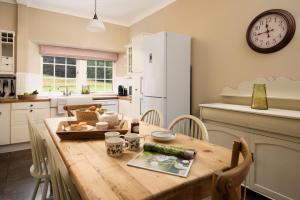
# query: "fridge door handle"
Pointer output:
{"type": "Point", "coordinates": [141, 85]}
{"type": "Point", "coordinates": [141, 99]}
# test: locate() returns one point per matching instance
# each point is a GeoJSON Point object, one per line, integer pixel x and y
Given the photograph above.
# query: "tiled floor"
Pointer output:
{"type": "Point", "coordinates": [16, 182]}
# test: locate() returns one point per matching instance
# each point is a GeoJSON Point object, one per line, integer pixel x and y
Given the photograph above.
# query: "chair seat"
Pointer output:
{"type": "Point", "coordinates": [39, 175]}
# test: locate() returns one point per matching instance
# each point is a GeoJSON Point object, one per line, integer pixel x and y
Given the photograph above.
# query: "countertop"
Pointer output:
{"type": "Point", "coordinates": [16, 100]}
{"type": "Point", "coordinates": [40, 99]}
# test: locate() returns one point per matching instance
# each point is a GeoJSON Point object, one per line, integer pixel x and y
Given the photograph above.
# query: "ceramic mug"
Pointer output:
{"type": "Point", "coordinates": [115, 146]}
{"type": "Point", "coordinates": [134, 141]}
{"type": "Point", "coordinates": [111, 134]}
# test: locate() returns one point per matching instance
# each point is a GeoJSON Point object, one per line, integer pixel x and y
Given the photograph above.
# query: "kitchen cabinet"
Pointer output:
{"type": "Point", "coordinates": [125, 107]}
{"type": "Point", "coordinates": [273, 137]}
{"type": "Point", "coordinates": [19, 111]}
{"type": "Point", "coordinates": [7, 43]}
{"type": "Point", "coordinates": [135, 54]}
{"type": "Point", "coordinates": [5, 124]}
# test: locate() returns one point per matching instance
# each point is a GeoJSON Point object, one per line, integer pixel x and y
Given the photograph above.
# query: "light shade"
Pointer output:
{"type": "Point", "coordinates": [95, 25]}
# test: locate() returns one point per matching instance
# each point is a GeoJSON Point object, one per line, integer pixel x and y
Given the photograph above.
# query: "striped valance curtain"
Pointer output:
{"type": "Point", "coordinates": [86, 54]}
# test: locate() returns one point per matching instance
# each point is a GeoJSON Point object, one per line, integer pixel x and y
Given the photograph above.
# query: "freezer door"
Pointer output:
{"type": "Point", "coordinates": [159, 104]}
{"type": "Point", "coordinates": [154, 83]}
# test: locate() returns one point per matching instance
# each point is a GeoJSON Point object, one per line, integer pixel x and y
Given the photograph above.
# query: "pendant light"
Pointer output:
{"type": "Point", "coordinates": [95, 24]}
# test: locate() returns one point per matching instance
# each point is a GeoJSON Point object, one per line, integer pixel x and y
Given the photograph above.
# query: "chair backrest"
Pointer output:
{"type": "Point", "coordinates": [62, 186]}
{"type": "Point", "coordinates": [227, 185]}
{"type": "Point", "coordinates": [189, 125]}
{"type": "Point", "coordinates": [71, 108]}
{"type": "Point", "coordinates": [153, 117]}
{"type": "Point", "coordinates": [38, 149]}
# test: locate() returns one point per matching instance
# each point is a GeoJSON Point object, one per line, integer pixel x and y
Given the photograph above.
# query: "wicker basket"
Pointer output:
{"type": "Point", "coordinates": [86, 116]}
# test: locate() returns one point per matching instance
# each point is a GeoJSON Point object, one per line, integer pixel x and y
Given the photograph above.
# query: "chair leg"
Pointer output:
{"type": "Point", "coordinates": [45, 189]}
{"type": "Point", "coordinates": [36, 187]}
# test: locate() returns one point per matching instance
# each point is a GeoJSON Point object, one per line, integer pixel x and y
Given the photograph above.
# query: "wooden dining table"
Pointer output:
{"type": "Point", "coordinates": [99, 176]}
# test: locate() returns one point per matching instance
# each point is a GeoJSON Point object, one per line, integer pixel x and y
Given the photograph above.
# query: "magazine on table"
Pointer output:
{"type": "Point", "coordinates": [166, 159]}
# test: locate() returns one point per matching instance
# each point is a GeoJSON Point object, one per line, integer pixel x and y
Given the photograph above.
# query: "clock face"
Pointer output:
{"type": "Point", "coordinates": [271, 30]}
{"type": "Point", "coordinates": [268, 31]}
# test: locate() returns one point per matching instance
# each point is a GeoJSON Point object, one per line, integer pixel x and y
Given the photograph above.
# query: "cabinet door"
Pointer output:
{"type": "Point", "coordinates": [125, 107]}
{"type": "Point", "coordinates": [275, 171]}
{"type": "Point", "coordinates": [5, 124]}
{"type": "Point", "coordinates": [137, 54]}
{"type": "Point", "coordinates": [224, 136]}
{"type": "Point", "coordinates": [19, 127]}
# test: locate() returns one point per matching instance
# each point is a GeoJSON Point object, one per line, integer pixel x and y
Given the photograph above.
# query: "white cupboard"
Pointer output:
{"type": "Point", "coordinates": [19, 111]}
{"type": "Point", "coordinates": [125, 107]}
{"type": "Point", "coordinates": [5, 124]}
{"type": "Point", "coordinates": [7, 44]}
{"type": "Point", "coordinates": [135, 54]}
{"type": "Point", "coordinates": [273, 137]}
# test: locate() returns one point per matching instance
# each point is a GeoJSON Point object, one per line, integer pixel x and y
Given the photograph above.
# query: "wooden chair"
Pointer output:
{"type": "Point", "coordinates": [153, 117]}
{"type": "Point", "coordinates": [62, 186]}
{"type": "Point", "coordinates": [189, 125]}
{"type": "Point", "coordinates": [39, 168]}
{"type": "Point", "coordinates": [71, 108]}
{"type": "Point", "coordinates": [227, 185]}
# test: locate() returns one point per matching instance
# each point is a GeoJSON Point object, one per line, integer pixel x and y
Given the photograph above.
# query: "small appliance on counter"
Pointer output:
{"type": "Point", "coordinates": [7, 86]}
{"type": "Point", "coordinates": [122, 91]}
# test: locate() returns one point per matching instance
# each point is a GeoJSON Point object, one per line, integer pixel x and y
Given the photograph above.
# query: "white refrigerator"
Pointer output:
{"type": "Point", "coordinates": [166, 76]}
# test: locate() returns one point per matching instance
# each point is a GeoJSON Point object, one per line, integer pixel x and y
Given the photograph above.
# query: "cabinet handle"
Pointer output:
{"type": "Point", "coordinates": [31, 110]}
{"type": "Point", "coordinates": [0, 113]}
{"type": "Point", "coordinates": [31, 105]}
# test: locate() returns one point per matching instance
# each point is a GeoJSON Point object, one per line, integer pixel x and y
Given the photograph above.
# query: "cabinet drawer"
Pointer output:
{"type": "Point", "coordinates": [6, 67]}
{"type": "Point", "coordinates": [7, 60]}
{"type": "Point", "coordinates": [38, 115]}
{"type": "Point", "coordinates": [30, 105]}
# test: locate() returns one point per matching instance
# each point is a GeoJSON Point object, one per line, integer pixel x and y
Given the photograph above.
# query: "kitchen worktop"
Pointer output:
{"type": "Point", "coordinates": [15, 100]}
{"type": "Point", "coordinates": [39, 99]}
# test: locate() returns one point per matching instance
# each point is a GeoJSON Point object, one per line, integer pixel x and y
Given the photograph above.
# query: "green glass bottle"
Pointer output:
{"type": "Point", "coordinates": [259, 97]}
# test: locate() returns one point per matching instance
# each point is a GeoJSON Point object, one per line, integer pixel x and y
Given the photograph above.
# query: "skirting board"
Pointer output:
{"type": "Point", "coordinates": [14, 147]}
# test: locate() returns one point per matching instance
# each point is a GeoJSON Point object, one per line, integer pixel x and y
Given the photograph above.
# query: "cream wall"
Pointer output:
{"type": "Point", "coordinates": [8, 17]}
{"type": "Point", "coordinates": [220, 54]}
{"type": "Point", "coordinates": [44, 27]}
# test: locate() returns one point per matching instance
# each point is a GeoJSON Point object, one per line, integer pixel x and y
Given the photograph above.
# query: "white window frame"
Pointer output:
{"type": "Point", "coordinates": [81, 78]}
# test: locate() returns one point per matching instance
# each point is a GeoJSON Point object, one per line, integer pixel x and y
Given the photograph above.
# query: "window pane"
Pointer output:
{"type": "Point", "coordinates": [71, 61]}
{"type": "Point", "coordinates": [108, 73]}
{"type": "Point", "coordinates": [48, 70]}
{"type": "Point", "coordinates": [48, 84]}
{"type": "Point", "coordinates": [91, 72]}
{"type": "Point", "coordinates": [60, 60]}
{"type": "Point", "coordinates": [59, 85]}
{"type": "Point", "coordinates": [100, 73]}
{"type": "Point", "coordinates": [71, 71]}
{"type": "Point", "coordinates": [100, 63]}
{"type": "Point", "coordinates": [71, 84]}
{"type": "Point", "coordinates": [100, 86]}
{"type": "Point", "coordinates": [90, 63]}
{"type": "Point", "coordinates": [48, 59]}
{"type": "Point", "coordinates": [108, 85]}
{"type": "Point", "coordinates": [91, 84]}
{"type": "Point", "coordinates": [60, 71]}
{"type": "Point", "coordinates": [108, 63]}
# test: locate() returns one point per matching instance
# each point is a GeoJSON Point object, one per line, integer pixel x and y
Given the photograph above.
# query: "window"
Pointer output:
{"type": "Point", "coordinates": [99, 75]}
{"type": "Point", "coordinates": [59, 72]}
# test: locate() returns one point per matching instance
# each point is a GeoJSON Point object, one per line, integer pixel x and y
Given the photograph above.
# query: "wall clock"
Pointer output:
{"type": "Point", "coordinates": [271, 30]}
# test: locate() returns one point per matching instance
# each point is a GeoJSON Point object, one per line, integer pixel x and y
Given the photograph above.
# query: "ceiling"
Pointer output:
{"type": "Point", "coordinates": [122, 12]}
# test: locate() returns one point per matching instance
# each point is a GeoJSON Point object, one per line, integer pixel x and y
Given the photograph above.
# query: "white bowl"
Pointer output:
{"type": "Point", "coordinates": [102, 126]}
{"type": "Point", "coordinates": [163, 136]}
